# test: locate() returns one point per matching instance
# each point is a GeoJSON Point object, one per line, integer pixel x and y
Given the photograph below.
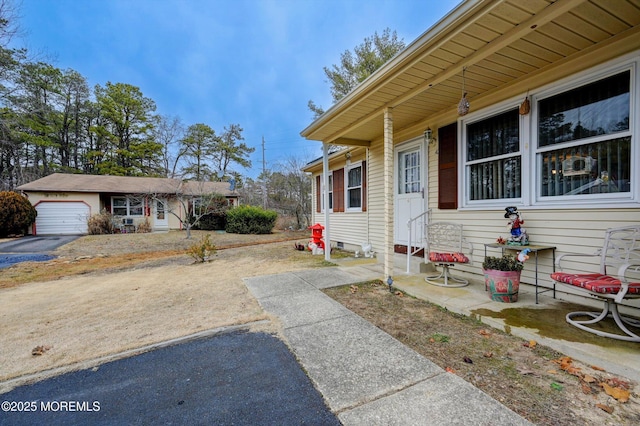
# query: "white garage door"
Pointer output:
{"type": "Point", "coordinates": [62, 218]}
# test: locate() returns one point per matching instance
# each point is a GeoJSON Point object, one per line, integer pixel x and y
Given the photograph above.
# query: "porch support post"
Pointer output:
{"type": "Point", "coordinates": [388, 192]}
{"type": "Point", "coordinates": [325, 183]}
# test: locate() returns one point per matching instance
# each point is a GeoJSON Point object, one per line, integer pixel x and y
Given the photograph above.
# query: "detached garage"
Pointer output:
{"type": "Point", "coordinates": [62, 218]}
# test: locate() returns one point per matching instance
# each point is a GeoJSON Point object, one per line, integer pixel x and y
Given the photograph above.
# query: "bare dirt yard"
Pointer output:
{"type": "Point", "coordinates": [107, 294]}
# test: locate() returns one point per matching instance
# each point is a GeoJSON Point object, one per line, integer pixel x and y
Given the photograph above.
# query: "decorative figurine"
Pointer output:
{"type": "Point", "coordinates": [524, 255]}
{"type": "Point", "coordinates": [518, 235]}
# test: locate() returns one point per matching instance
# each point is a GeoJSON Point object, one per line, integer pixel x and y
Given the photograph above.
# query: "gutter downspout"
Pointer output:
{"type": "Point", "coordinates": [325, 179]}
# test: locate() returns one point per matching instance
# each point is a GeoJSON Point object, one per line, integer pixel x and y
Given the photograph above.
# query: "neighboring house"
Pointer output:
{"type": "Point", "coordinates": [65, 201]}
{"type": "Point", "coordinates": [570, 162]}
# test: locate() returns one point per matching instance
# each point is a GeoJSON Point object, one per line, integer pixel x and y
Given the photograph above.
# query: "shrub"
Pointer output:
{"type": "Point", "coordinates": [16, 213]}
{"type": "Point", "coordinates": [101, 223]}
{"type": "Point", "coordinates": [211, 222]}
{"type": "Point", "coordinates": [202, 250]}
{"type": "Point", "coordinates": [216, 215]}
{"type": "Point", "coordinates": [250, 220]}
{"type": "Point", "coordinates": [144, 227]}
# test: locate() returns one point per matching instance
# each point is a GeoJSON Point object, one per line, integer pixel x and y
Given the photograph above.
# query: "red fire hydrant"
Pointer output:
{"type": "Point", "coordinates": [316, 235]}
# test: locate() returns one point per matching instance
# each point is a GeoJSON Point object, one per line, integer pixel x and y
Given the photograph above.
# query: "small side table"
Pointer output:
{"type": "Point", "coordinates": [534, 248]}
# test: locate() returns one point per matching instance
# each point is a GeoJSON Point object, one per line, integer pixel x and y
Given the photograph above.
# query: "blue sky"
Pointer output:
{"type": "Point", "coordinates": [252, 62]}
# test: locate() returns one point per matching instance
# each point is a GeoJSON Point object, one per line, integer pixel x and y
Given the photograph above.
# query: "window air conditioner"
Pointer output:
{"type": "Point", "coordinates": [577, 165]}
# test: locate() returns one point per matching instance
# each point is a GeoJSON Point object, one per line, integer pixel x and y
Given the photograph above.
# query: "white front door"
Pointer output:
{"type": "Point", "coordinates": [160, 219]}
{"type": "Point", "coordinates": [410, 182]}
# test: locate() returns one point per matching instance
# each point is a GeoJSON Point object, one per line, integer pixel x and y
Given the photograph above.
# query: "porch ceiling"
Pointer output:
{"type": "Point", "coordinates": [499, 42]}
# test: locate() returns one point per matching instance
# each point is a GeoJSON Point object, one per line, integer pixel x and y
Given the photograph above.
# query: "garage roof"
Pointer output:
{"type": "Point", "coordinates": [62, 182]}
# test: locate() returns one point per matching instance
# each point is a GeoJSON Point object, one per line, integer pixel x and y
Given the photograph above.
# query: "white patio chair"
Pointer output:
{"type": "Point", "coordinates": [618, 279]}
{"type": "Point", "coordinates": [446, 247]}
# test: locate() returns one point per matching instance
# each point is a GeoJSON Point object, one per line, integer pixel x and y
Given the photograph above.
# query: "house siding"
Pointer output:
{"type": "Point", "coordinates": [349, 228]}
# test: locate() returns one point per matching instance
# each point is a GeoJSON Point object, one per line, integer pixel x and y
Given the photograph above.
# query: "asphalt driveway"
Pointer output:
{"type": "Point", "coordinates": [236, 378]}
{"type": "Point", "coordinates": [33, 244]}
{"type": "Point", "coordinates": [31, 249]}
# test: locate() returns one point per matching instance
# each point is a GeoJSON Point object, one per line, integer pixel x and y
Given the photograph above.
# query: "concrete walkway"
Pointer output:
{"type": "Point", "coordinates": [365, 375]}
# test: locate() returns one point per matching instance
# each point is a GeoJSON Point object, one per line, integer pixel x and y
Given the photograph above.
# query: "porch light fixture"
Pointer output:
{"type": "Point", "coordinates": [428, 136]}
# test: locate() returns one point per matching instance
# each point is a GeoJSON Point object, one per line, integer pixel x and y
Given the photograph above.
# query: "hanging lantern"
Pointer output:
{"type": "Point", "coordinates": [463, 105]}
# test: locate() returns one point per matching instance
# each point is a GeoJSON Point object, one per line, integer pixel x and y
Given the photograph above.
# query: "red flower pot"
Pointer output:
{"type": "Point", "coordinates": [502, 285]}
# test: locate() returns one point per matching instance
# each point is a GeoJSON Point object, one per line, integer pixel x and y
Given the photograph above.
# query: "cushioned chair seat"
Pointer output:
{"type": "Point", "coordinates": [448, 257]}
{"type": "Point", "coordinates": [597, 283]}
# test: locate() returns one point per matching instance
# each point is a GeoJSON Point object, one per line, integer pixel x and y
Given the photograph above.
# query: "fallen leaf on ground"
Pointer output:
{"type": "Point", "coordinates": [399, 293]}
{"type": "Point", "coordinates": [595, 367]}
{"type": "Point", "coordinates": [39, 350]}
{"type": "Point", "coordinates": [574, 371]}
{"type": "Point", "coordinates": [524, 371]}
{"type": "Point", "coordinates": [532, 344]}
{"type": "Point", "coordinates": [450, 370]}
{"type": "Point", "coordinates": [484, 333]}
{"type": "Point", "coordinates": [617, 383]}
{"type": "Point", "coordinates": [488, 354]}
{"type": "Point", "coordinates": [588, 378]}
{"type": "Point", "coordinates": [467, 360]}
{"type": "Point", "coordinates": [565, 364]}
{"type": "Point", "coordinates": [621, 395]}
{"type": "Point", "coordinates": [586, 389]}
{"type": "Point", "coordinates": [353, 288]}
{"type": "Point", "coordinates": [605, 408]}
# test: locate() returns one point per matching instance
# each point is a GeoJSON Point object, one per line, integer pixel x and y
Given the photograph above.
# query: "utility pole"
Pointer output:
{"type": "Point", "coordinates": [264, 178]}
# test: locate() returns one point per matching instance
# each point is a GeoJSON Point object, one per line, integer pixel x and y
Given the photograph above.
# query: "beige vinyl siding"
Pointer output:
{"type": "Point", "coordinates": [350, 228]}
{"type": "Point", "coordinates": [570, 230]}
{"type": "Point", "coordinates": [376, 197]}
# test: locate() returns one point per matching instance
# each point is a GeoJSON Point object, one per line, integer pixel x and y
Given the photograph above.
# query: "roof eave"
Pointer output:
{"type": "Point", "coordinates": [449, 22]}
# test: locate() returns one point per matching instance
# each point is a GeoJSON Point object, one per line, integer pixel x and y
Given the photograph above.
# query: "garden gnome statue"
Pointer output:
{"type": "Point", "coordinates": [518, 235]}
{"type": "Point", "coordinates": [523, 256]}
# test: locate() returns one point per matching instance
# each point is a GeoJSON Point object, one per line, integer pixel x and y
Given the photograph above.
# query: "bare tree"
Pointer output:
{"type": "Point", "coordinates": [289, 189]}
{"type": "Point", "coordinates": [193, 201]}
{"type": "Point", "coordinates": [168, 131]}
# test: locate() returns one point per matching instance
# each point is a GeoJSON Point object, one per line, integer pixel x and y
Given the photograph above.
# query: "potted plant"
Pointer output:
{"type": "Point", "coordinates": [502, 277]}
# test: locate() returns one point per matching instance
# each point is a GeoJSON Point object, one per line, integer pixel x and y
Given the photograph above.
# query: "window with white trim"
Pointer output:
{"type": "Point", "coordinates": [410, 181]}
{"type": "Point", "coordinates": [576, 145]}
{"type": "Point", "coordinates": [584, 140]}
{"type": "Point", "coordinates": [127, 206]}
{"type": "Point", "coordinates": [493, 158]}
{"type": "Point", "coordinates": [354, 187]}
{"type": "Point", "coordinates": [330, 191]}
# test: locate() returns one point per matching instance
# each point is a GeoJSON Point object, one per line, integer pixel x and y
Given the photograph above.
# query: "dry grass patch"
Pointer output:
{"type": "Point", "coordinates": [117, 252]}
{"type": "Point", "coordinates": [532, 380]}
{"type": "Point", "coordinates": [106, 305]}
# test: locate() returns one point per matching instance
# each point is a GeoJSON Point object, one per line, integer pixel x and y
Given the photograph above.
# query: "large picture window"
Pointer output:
{"type": "Point", "coordinates": [584, 139]}
{"type": "Point", "coordinates": [493, 159]}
